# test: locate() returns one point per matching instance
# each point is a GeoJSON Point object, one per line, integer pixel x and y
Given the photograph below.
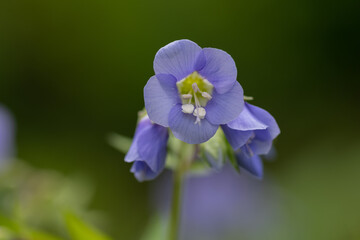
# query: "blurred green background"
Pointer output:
{"type": "Point", "coordinates": [73, 71]}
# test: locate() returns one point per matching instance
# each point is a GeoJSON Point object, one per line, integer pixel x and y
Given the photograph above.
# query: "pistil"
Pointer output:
{"type": "Point", "coordinates": [197, 105]}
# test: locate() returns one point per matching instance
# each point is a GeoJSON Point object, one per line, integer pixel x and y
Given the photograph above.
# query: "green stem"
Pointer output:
{"type": "Point", "coordinates": [184, 165]}
{"type": "Point", "coordinates": [176, 206]}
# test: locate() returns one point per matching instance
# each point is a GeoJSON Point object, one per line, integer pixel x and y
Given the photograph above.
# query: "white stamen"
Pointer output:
{"type": "Point", "coordinates": [206, 95]}
{"type": "Point", "coordinates": [200, 112]}
{"type": "Point", "coordinates": [187, 108]}
{"type": "Point", "coordinates": [186, 96]}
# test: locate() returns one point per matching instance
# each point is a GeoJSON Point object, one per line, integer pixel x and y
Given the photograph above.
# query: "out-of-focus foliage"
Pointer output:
{"type": "Point", "coordinates": [81, 231]}
{"type": "Point", "coordinates": [120, 142]}
{"type": "Point", "coordinates": [33, 203]}
{"type": "Point", "coordinates": [76, 229]}
{"type": "Point", "coordinates": [322, 198]}
{"type": "Point", "coordinates": [156, 229]}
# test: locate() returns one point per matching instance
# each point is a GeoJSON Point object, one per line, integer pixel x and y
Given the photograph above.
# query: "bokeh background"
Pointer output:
{"type": "Point", "coordinates": [71, 72]}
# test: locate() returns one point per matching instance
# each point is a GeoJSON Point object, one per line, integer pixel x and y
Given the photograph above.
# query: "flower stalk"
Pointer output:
{"type": "Point", "coordinates": [174, 224]}
{"type": "Point", "coordinates": [185, 161]}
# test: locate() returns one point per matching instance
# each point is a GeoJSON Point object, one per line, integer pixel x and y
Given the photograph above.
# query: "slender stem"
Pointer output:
{"type": "Point", "coordinates": [184, 165]}
{"type": "Point", "coordinates": [176, 206]}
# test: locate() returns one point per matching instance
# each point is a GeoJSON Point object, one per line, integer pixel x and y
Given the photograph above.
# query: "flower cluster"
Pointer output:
{"type": "Point", "coordinates": [193, 94]}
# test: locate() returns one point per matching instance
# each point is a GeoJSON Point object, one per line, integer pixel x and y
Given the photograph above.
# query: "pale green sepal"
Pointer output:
{"type": "Point", "coordinates": [199, 167]}
{"type": "Point", "coordinates": [214, 151]}
{"type": "Point", "coordinates": [178, 151]}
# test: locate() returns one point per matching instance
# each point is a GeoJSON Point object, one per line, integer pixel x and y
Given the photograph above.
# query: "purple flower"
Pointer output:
{"type": "Point", "coordinates": [6, 135]}
{"type": "Point", "coordinates": [148, 150]}
{"type": "Point", "coordinates": [194, 90]}
{"type": "Point", "coordinates": [251, 134]}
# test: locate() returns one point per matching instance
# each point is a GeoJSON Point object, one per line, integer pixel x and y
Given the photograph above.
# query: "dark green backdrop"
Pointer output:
{"type": "Point", "coordinates": [73, 71]}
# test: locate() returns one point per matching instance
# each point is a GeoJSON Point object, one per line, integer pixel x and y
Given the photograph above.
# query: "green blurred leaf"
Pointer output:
{"type": "Point", "coordinates": [6, 234]}
{"type": "Point", "coordinates": [120, 142]}
{"type": "Point", "coordinates": [9, 224]}
{"type": "Point", "coordinates": [155, 229]}
{"type": "Point", "coordinates": [80, 230]}
{"type": "Point", "coordinates": [36, 235]}
{"type": "Point", "coordinates": [10, 229]}
{"type": "Point", "coordinates": [31, 197]}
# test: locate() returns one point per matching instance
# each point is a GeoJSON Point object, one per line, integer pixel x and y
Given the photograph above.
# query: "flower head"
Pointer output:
{"type": "Point", "coordinates": [194, 90]}
{"type": "Point", "coordinates": [148, 150]}
{"type": "Point", "coordinates": [251, 134]}
{"type": "Point", "coordinates": [6, 135]}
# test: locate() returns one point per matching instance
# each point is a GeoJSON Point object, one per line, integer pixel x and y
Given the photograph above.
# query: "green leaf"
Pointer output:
{"type": "Point", "coordinates": [80, 230]}
{"type": "Point", "coordinates": [120, 142]}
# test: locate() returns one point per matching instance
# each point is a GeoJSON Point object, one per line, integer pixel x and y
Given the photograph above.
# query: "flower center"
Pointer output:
{"type": "Point", "coordinates": [195, 92]}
